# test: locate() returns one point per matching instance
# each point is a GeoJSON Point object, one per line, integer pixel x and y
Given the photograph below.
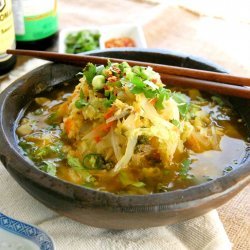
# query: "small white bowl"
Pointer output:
{"type": "Point", "coordinates": [65, 32]}
{"type": "Point", "coordinates": [107, 32]}
{"type": "Point", "coordinates": [124, 30]}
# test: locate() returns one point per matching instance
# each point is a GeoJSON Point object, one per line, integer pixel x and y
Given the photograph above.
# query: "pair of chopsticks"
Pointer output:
{"type": "Point", "coordinates": [225, 84]}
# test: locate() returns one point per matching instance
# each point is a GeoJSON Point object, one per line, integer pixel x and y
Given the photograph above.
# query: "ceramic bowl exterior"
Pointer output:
{"type": "Point", "coordinates": [102, 209]}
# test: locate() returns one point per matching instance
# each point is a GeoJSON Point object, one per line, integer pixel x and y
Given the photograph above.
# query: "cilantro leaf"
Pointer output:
{"type": "Point", "coordinates": [109, 101]}
{"type": "Point", "coordinates": [159, 102]}
{"type": "Point", "coordinates": [74, 163]}
{"type": "Point", "coordinates": [48, 167]}
{"type": "Point", "coordinates": [185, 165]}
{"type": "Point", "coordinates": [48, 151]}
{"type": "Point", "coordinates": [89, 72]}
{"type": "Point", "coordinates": [218, 100]}
{"type": "Point", "coordinates": [57, 148]}
{"type": "Point", "coordinates": [183, 109]}
{"type": "Point", "coordinates": [80, 103]}
{"type": "Point", "coordinates": [137, 90]}
{"type": "Point", "coordinates": [54, 118]}
{"type": "Point", "coordinates": [82, 41]}
{"type": "Point", "coordinates": [28, 147]}
{"type": "Point", "coordinates": [137, 81]}
{"type": "Point", "coordinates": [164, 94]}
{"type": "Point", "coordinates": [183, 103]}
{"type": "Point", "coordinates": [149, 93]}
{"type": "Point", "coordinates": [179, 97]}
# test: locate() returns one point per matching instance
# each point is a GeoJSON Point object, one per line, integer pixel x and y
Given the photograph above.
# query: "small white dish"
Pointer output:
{"type": "Point", "coordinates": [107, 32]}
{"type": "Point", "coordinates": [17, 235]}
{"type": "Point", "coordinates": [65, 32]}
{"type": "Point", "coordinates": [123, 30]}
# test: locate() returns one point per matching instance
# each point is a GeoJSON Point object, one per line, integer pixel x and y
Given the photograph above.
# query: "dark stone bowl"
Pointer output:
{"type": "Point", "coordinates": [102, 209]}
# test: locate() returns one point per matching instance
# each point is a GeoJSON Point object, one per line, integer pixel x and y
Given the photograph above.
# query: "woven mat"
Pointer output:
{"type": "Point", "coordinates": [202, 30]}
{"type": "Point", "coordinates": [228, 44]}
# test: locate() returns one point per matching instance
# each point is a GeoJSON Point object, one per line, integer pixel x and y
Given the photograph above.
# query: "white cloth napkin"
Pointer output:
{"type": "Point", "coordinates": [204, 232]}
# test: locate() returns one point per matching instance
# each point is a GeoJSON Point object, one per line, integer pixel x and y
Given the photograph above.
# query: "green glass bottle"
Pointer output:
{"type": "Point", "coordinates": [36, 23]}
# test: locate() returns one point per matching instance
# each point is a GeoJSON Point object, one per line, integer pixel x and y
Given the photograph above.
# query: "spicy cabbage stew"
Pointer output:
{"type": "Point", "coordinates": [119, 130]}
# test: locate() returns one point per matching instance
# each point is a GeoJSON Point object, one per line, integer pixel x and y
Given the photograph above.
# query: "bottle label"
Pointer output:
{"type": "Point", "coordinates": [35, 20]}
{"type": "Point", "coordinates": [7, 33]}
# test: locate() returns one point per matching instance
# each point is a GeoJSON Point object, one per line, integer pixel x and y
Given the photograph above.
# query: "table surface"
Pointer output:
{"type": "Point", "coordinates": [179, 28]}
{"type": "Point", "coordinates": [183, 28]}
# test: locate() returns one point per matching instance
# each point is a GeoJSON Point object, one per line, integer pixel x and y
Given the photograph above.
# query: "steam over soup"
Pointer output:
{"type": "Point", "coordinates": [119, 130]}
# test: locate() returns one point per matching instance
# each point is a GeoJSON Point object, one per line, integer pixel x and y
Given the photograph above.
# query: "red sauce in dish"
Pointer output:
{"type": "Point", "coordinates": [120, 42]}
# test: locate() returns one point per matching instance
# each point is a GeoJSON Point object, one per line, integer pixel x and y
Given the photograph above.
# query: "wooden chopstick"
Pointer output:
{"type": "Point", "coordinates": [200, 79]}
{"type": "Point", "coordinates": [224, 89]}
{"type": "Point", "coordinates": [166, 69]}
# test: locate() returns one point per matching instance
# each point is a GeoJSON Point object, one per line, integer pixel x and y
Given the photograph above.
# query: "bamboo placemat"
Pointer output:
{"type": "Point", "coordinates": [172, 27]}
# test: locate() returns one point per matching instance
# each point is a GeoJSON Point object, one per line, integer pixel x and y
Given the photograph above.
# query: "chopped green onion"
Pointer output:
{"type": "Point", "coordinates": [98, 82]}
{"type": "Point", "coordinates": [99, 69]}
{"type": "Point", "coordinates": [38, 111]}
{"type": "Point", "coordinates": [227, 170]}
{"type": "Point", "coordinates": [139, 184]}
